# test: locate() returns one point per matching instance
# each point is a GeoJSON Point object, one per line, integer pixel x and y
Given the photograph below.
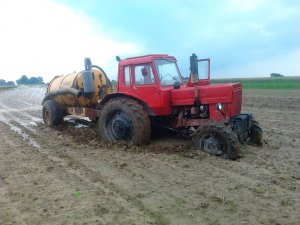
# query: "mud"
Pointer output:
{"type": "Point", "coordinates": [67, 175]}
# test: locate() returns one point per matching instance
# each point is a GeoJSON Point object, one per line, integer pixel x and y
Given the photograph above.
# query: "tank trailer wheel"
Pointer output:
{"type": "Point", "coordinates": [217, 139]}
{"type": "Point", "coordinates": [124, 119]}
{"type": "Point", "coordinates": [52, 113]}
{"type": "Point", "coordinates": [255, 134]}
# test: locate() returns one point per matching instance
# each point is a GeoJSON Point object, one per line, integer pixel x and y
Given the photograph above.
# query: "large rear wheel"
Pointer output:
{"type": "Point", "coordinates": [124, 119]}
{"type": "Point", "coordinates": [52, 113]}
{"type": "Point", "coordinates": [217, 139]}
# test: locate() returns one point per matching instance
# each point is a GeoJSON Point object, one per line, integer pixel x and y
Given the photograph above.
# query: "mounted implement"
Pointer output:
{"type": "Point", "coordinates": [150, 91]}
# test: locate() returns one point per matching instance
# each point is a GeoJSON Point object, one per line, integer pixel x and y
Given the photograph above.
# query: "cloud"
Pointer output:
{"type": "Point", "coordinates": [244, 5]}
{"type": "Point", "coordinates": [45, 38]}
{"type": "Point", "coordinates": [241, 35]}
{"type": "Point", "coordinates": [287, 65]}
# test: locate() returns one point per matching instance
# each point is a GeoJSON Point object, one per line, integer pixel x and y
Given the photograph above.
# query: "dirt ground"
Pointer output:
{"type": "Point", "coordinates": [68, 176]}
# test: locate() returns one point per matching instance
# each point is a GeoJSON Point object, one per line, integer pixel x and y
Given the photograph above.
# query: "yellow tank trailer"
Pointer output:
{"type": "Point", "coordinates": [102, 87]}
{"type": "Point", "coordinates": [76, 94]}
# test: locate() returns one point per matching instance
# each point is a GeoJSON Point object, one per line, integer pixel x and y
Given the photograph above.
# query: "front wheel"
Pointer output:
{"type": "Point", "coordinates": [217, 139]}
{"type": "Point", "coordinates": [255, 136]}
{"type": "Point", "coordinates": [124, 119]}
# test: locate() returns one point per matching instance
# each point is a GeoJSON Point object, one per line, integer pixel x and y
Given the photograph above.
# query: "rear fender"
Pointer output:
{"type": "Point", "coordinates": [117, 95]}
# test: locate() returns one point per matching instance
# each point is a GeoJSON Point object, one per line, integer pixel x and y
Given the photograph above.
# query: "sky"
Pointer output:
{"type": "Point", "coordinates": [243, 38]}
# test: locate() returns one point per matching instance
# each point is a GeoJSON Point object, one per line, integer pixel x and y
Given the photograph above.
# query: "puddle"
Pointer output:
{"type": "Point", "coordinates": [22, 105]}
{"type": "Point", "coordinates": [23, 135]}
{"type": "Point", "coordinates": [78, 121]}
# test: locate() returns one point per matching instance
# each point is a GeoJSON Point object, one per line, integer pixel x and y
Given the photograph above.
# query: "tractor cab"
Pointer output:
{"type": "Point", "coordinates": [151, 79]}
{"type": "Point", "coordinates": [152, 70]}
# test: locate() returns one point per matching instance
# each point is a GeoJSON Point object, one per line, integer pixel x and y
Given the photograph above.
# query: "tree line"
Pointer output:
{"type": "Point", "coordinates": [6, 83]}
{"type": "Point", "coordinates": [23, 80]}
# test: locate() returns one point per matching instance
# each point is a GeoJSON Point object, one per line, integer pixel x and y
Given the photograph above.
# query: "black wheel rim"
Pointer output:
{"type": "Point", "coordinates": [213, 143]}
{"type": "Point", "coordinates": [119, 126]}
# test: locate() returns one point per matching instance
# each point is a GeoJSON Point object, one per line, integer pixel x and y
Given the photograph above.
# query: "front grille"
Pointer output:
{"type": "Point", "coordinates": [236, 102]}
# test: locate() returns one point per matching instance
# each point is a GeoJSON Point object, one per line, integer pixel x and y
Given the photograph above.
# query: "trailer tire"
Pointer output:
{"type": "Point", "coordinates": [52, 113]}
{"type": "Point", "coordinates": [217, 139]}
{"type": "Point", "coordinates": [124, 119]}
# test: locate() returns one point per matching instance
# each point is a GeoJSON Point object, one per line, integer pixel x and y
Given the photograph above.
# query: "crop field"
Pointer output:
{"type": "Point", "coordinates": [5, 87]}
{"type": "Point", "coordinates": [67, 175]}
{"type": "Point", "coordinates": [275, 83]}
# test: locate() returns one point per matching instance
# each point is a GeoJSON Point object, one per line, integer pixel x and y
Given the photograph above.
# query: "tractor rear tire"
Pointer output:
{"type": "Point", "coordinates": [124, 119]}
{"type": "Point", "coordinates": [217, 139]}
{"type": "Point", "coordinates": [52, 113]}
{"type": "Point", "coordinates": [255, 134]}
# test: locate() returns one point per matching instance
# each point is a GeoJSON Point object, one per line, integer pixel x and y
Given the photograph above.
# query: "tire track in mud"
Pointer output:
{"type": "Point", "coordinates": [166, 168]}
{"type": "Point", "coordinates": [95, 179]}
{"type": "Point", "coordinates": [168, 188]}
{"type": "Point", "coordinates": [9, 211]}
{"type": "Point", "coordinates": [154, 183]}
{"type": "Point", "coordinates": [109, 179]}
{"type": "Point", "coordinates": [91, 180]}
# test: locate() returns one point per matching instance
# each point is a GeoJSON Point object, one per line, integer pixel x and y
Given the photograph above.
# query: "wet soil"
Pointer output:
{"type": "Point", "coordinates": [67, 175]}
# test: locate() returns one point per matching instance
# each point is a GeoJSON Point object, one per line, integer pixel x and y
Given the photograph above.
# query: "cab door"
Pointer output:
{"type": "Point", "coordinates": [200, 69]}
{"type": "Point", "coordinates": [145, 85]}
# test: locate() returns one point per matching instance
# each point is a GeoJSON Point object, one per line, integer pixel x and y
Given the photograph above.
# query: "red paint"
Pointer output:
{"type": "Point", "coordinates": [163, 100]}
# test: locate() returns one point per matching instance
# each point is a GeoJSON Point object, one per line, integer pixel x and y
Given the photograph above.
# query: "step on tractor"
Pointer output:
{"type": "Point", "coordinates": [150, 91]}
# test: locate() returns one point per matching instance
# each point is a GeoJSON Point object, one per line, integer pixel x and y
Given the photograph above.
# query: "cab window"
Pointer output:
{"type": "Point", "coordinates": [127, 76]}
{"type": "Point", "coordinates": [143, 74]}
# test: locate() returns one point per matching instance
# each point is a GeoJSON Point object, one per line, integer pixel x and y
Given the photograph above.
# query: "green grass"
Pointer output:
{"type": "Point", "coordinates": [272, 83]}
{"type": "Point", "coordinates": [275, 83]}
{"type": "Point", "coordinates": [4, 87]}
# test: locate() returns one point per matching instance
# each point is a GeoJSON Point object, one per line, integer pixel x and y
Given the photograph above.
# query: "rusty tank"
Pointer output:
{"type": "Point", "coordinates": [84, 89]}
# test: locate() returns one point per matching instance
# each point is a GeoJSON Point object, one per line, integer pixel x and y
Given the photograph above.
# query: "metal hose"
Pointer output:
{"type": "Point", "coordinates": [52, 94]}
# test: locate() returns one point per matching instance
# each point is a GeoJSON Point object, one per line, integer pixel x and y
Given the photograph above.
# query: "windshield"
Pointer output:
{"type": "Point", "coordinates": [167, 72]}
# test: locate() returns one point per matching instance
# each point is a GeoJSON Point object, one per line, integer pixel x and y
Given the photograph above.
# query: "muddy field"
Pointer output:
{"type": "Point", "coordinates": [67, 176]}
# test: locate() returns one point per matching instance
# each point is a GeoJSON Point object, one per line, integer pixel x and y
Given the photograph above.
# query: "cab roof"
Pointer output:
{"type": "Point", "coordinates": [145, 59]}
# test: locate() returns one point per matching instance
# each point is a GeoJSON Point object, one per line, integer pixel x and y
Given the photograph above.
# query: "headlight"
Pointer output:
{"type": "Point", "coordinates": [219, 106]}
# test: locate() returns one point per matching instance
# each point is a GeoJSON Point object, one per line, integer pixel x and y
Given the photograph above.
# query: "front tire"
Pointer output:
{"type": "Point", "coordinates": [255, 134]}
{"type": "Point", "coordinates": [124, 119]}
{"type": "Point", "coordinates": [52, 113]}
{"type": "Point", "coordinates": [217, 139]}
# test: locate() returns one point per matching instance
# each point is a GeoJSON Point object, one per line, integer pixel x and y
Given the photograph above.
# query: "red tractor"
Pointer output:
{"type": "Point", "coordinates": [151, 91]}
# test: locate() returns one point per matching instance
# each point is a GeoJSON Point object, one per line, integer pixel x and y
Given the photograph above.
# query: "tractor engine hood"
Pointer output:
{"type": "Point", "coordinates": [230, 93]}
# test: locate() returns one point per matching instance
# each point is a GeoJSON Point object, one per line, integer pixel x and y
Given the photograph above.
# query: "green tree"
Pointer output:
{"type": "Point", "coordinates": [23, 80]}
{"type": "Point", "coordinates": [10, 83]}
{"type": "Point", "coordinates": [2, 82]}
{"type": "Point", "coordinates": [34, 80]}
{"type": "Point", "coordinates": [41, 80]}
